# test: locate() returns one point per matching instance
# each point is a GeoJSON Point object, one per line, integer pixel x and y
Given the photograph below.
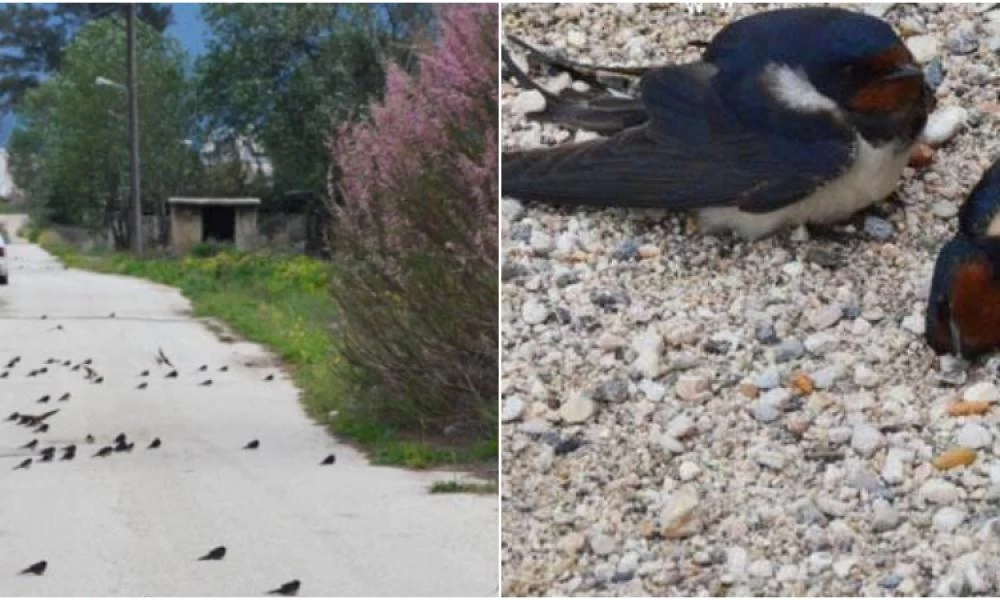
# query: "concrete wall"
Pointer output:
{"type": "Point", "coordinates": [245, 230]}
{"type": "Point", "coordinates": [185, 227]}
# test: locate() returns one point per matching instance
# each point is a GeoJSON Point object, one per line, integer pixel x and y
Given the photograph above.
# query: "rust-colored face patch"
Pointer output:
{"type": "Point", "coordinates": [888, 95]}
{"type": "Point", "coordinates": [975, 306]}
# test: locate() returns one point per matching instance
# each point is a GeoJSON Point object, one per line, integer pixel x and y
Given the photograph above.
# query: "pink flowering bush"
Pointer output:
{"type": "Point", "coordinates": [414, 196]}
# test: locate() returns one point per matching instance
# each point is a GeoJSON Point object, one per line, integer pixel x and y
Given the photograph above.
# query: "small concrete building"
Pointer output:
{"type": "Point", "coordinates": [227, 220]}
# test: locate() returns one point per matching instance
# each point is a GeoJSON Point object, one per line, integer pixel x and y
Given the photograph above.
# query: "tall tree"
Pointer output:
{"type": "Point", "coordinates": [69, 149]}
{"type": "Point", "coordinates": [33, 38]}
{"type": "Point", "coordinates": [281, 73]}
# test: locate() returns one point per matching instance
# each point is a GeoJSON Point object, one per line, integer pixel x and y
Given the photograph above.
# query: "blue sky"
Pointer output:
{"type": "Point", "coordinates": [187, 27]}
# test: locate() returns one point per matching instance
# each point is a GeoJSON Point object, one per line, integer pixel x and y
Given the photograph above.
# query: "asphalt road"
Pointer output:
{"type": "Point", "coordinates": [133, 524]}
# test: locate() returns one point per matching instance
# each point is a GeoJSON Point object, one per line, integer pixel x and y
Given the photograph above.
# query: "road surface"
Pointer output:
{"type": "Point", "coordinates": [132, 524]}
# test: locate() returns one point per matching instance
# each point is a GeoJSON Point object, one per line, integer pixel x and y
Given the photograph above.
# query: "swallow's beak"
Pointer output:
{"type": "Point", "coordinates": [904, 71]}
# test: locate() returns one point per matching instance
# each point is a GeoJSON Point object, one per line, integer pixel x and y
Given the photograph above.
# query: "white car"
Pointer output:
{"type": "Point", "coordinates": [3, 260]}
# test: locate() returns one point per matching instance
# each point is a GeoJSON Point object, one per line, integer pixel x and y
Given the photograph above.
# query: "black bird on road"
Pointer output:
{"type": "Point", "coordinates": [154, 444]}
{"type": "Point", "coordinates": [64, 397]}
{"type": "Point", "coordinates": [124, 447]}
{"type": "Point", "coordinates": [142, 386]}
{"type": "Point", "coordinates": [111, 316]}
{"type": "Point", "coordinates": [66, 363]}
{"type": "Point", "coordinates": [13, 416]}
{"type": "Point", "coordinates": [287, 589]}
{"type": "Point", "coordinates": [144, 373]}
{"type": "Point", "coordinates": [43, 428]}
{"type": "Point", "coordinates": [171, 375]}
{"type": "Point", "coordinates": [223, 369]}
{"type": "Point", "coordinates": [31, 445]}
{"type": "Point", "coordinates": [13, 361]}
{"type": "Point", "coordinates": [162, 358]}
{"type": "Point", "coordinates": [89, 439]}
{"type": "Point", "coordinates": [207, 382]}
{"type": "Point", "coordinates": [120, 438]}
{"type": "Point", "coordinates": [269, 378]}
{"type": "Point", "coordinates": [252, 445]}
{"type": "Point", "coordinates": [329, 460]}
{"type": "Point", "coordinates": [46, 458]}
{"type": "Point", "coordinates": [26, 463]}
{"type": "Point", "coordinates": [36, 569]}
{"type": "Point", "coordinates": [33, 372]}
{"type": "Point", "coordinates": [88, 361]}
{"type": "Point", "coordinates": [105, 451]}
{"type": "Point", "coordinates": [215, 554]}
{"type": "Point", "coordinates": [69, 452]}
{"type": "Point", "coordinates": [202, 368]}
{"type": "Point", "coordinates": [43, 399]}
{"type": "Point", "coordinates": [4, 375]}
{"type": "Point", "coordinates": [99, 380]}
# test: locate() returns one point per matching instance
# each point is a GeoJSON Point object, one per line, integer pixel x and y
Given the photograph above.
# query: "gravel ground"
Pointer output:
{"type": "Point", "coordinates": [699, 415]}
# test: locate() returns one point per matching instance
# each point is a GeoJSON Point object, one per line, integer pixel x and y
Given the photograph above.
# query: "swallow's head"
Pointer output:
{"type": "Point", "coordinates": [979, 215]}
{"type": "Point", "coordinates": [832, 59]}
{"type": "Point", "coordinates": [963, 312]}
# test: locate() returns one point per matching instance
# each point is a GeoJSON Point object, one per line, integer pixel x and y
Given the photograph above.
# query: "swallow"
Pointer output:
{"type": "Point", "coordinates": [171, 375]}
{"type": "Point", "coordinates": [13, 416]}
{"type": "Point", "coordinates": [88, 361]}
{"type": "Point", "coordinates": [215, 554]}
{"type": "Point", "coordinates": [76, 368]}
{"type": "Point", "coordinates": [45, 317]}
{"type": "Point", "coordinates": [47, 456]}
{"type": "Point", "coordinates": [206, 383]}
{"type": "Point", "coordinates": [142, 386]}
{"type": "Point", "coordinates": [105, 451]}
{"type": "Point", "coordinates": [13, 361]}
{"type": "Point", "coordinates": [4, 375]}
{"type": "Point", "coordinates": [792, 116]}
{"type": "Point", "coordinates": [36, 569]}
{"type": "Point", "coordinates": [287, 589]}
{"type": "Point", "coordinates": [161, 358]}
{"type": "Point", "coordinates": [43, 428]}
{"type": "Point", "coordinates": [111, 316]}
{"type": "Point", "coordinates": [154, 444]}
{"type": "Point", "coordinates": [120, 438]}
{"type": "Point", "coordinates": [329, 460]}
{"type": "Point", "coordinates": [25, 464]}
{"type": "Point", "coordinates": [33, 372]}
{"type": "Point", "coordinates": [51, 361]}
{"type": "Point", "coordinates": [89, 439]}
{"type": "Point", "coordinates": [64, 397]}
{"type": "Point", "coordinates": [124, 446]}
{"type": "Point", "coordinates": [66, 363]}
{"type": "Point", "coordinates": [144, 373]}
{"type": "Point", "coordinates": [961, 318]}
{"type": "Point", "coordinates": [43, 370]}
{"type": "Point", "coordinates": [69, 452]}
{"type": "Point", "coordinates": [269, 377]}
{"type": "Point", "coordinates": [99, 380]}
{"type": "Point", "coordinates": [43, 399]}
{"type": "Point", "coordinates": [202, 368]}
{"type": "Point", "coordinates": [223, 369]}
{"type": "Point", "coordinates": [252, 445]}
{"type": "Point", "coordinates": [30, 445]}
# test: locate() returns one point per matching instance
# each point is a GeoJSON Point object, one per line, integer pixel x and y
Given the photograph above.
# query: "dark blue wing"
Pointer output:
{"type": "Point", "coordinates": [697, 150]}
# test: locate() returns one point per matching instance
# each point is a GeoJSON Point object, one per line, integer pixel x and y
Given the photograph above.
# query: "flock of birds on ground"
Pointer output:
{"type": "Point", "coordinates": [40, 423]}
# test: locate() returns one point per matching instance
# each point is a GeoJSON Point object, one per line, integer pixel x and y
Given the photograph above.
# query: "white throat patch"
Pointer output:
{"type": "Point", "coordinates": [792, 88]}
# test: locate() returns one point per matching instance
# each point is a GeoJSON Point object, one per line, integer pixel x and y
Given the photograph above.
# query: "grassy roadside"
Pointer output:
{"type": "Point", "coordinates": [283, 302]}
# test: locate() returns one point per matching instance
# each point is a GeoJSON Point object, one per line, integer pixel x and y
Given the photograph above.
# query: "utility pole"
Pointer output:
{"type": "Point", "coordinates": [133, 135]}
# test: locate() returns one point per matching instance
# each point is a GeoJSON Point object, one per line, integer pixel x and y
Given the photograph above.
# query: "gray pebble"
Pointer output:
{"type": "Point", "coordinates": [789, 349]}
{"type": "Point", "coordinates": [878, 228]}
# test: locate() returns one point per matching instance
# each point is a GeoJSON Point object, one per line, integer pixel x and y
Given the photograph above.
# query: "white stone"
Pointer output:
{"type": "Point", "coordinates": [736, 562]}
{"type": "Point", "coordinates": [975, 436]}
{"type": "Point", "coordinates": [678, 517]}
{"type": "Point", "coordinates": [896, 459]}
{"type": "Point", "coordinates": [688, 471]}
{"type": "Point", "coordinates": [825, 316]}
{"type": "Point", "coordinates": [648, 346]}
{"type": "Point", "coordinates": [681, 427]}
{"type": "Point", "coordinates": [513, 409]}
{"type": "Point", "coordinates": [865, 439]}
{"type": "Point", "coordinates": [653, 390]}
{"type": "Point", "coordinates": [984, 391]}
{"type": "Point", "coordinates": [947, 519]}
{"type": "Point", "coordinates": [601, 544]}
{"type": "Point", "coordinates": [691, 387]}
{"type": "Point", "coordinates": [861, 327]}
{"type": "Point", "coordinates": [913, 324]}
{"type": "Point", "coordinates": [534, 312]}
{"type": "Point", "coordinates": [923, 47]}
{"type": "Point", "coordinates": [939, 491]}
{"type": "Point", "coordinates": [943, 124]}
{"type": "Point", "coordinates": [575, 37]}
{"type": "Point", "coordinates": [529, 101]}
{"type": "Point", "coordinates": [578, 408]}
{"type": "Point", "coordinates": [761, 569]}
{"type": "Point", "coordinates": [865, 376]}
{"type": "Point", "coordinates": [820, 343]}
